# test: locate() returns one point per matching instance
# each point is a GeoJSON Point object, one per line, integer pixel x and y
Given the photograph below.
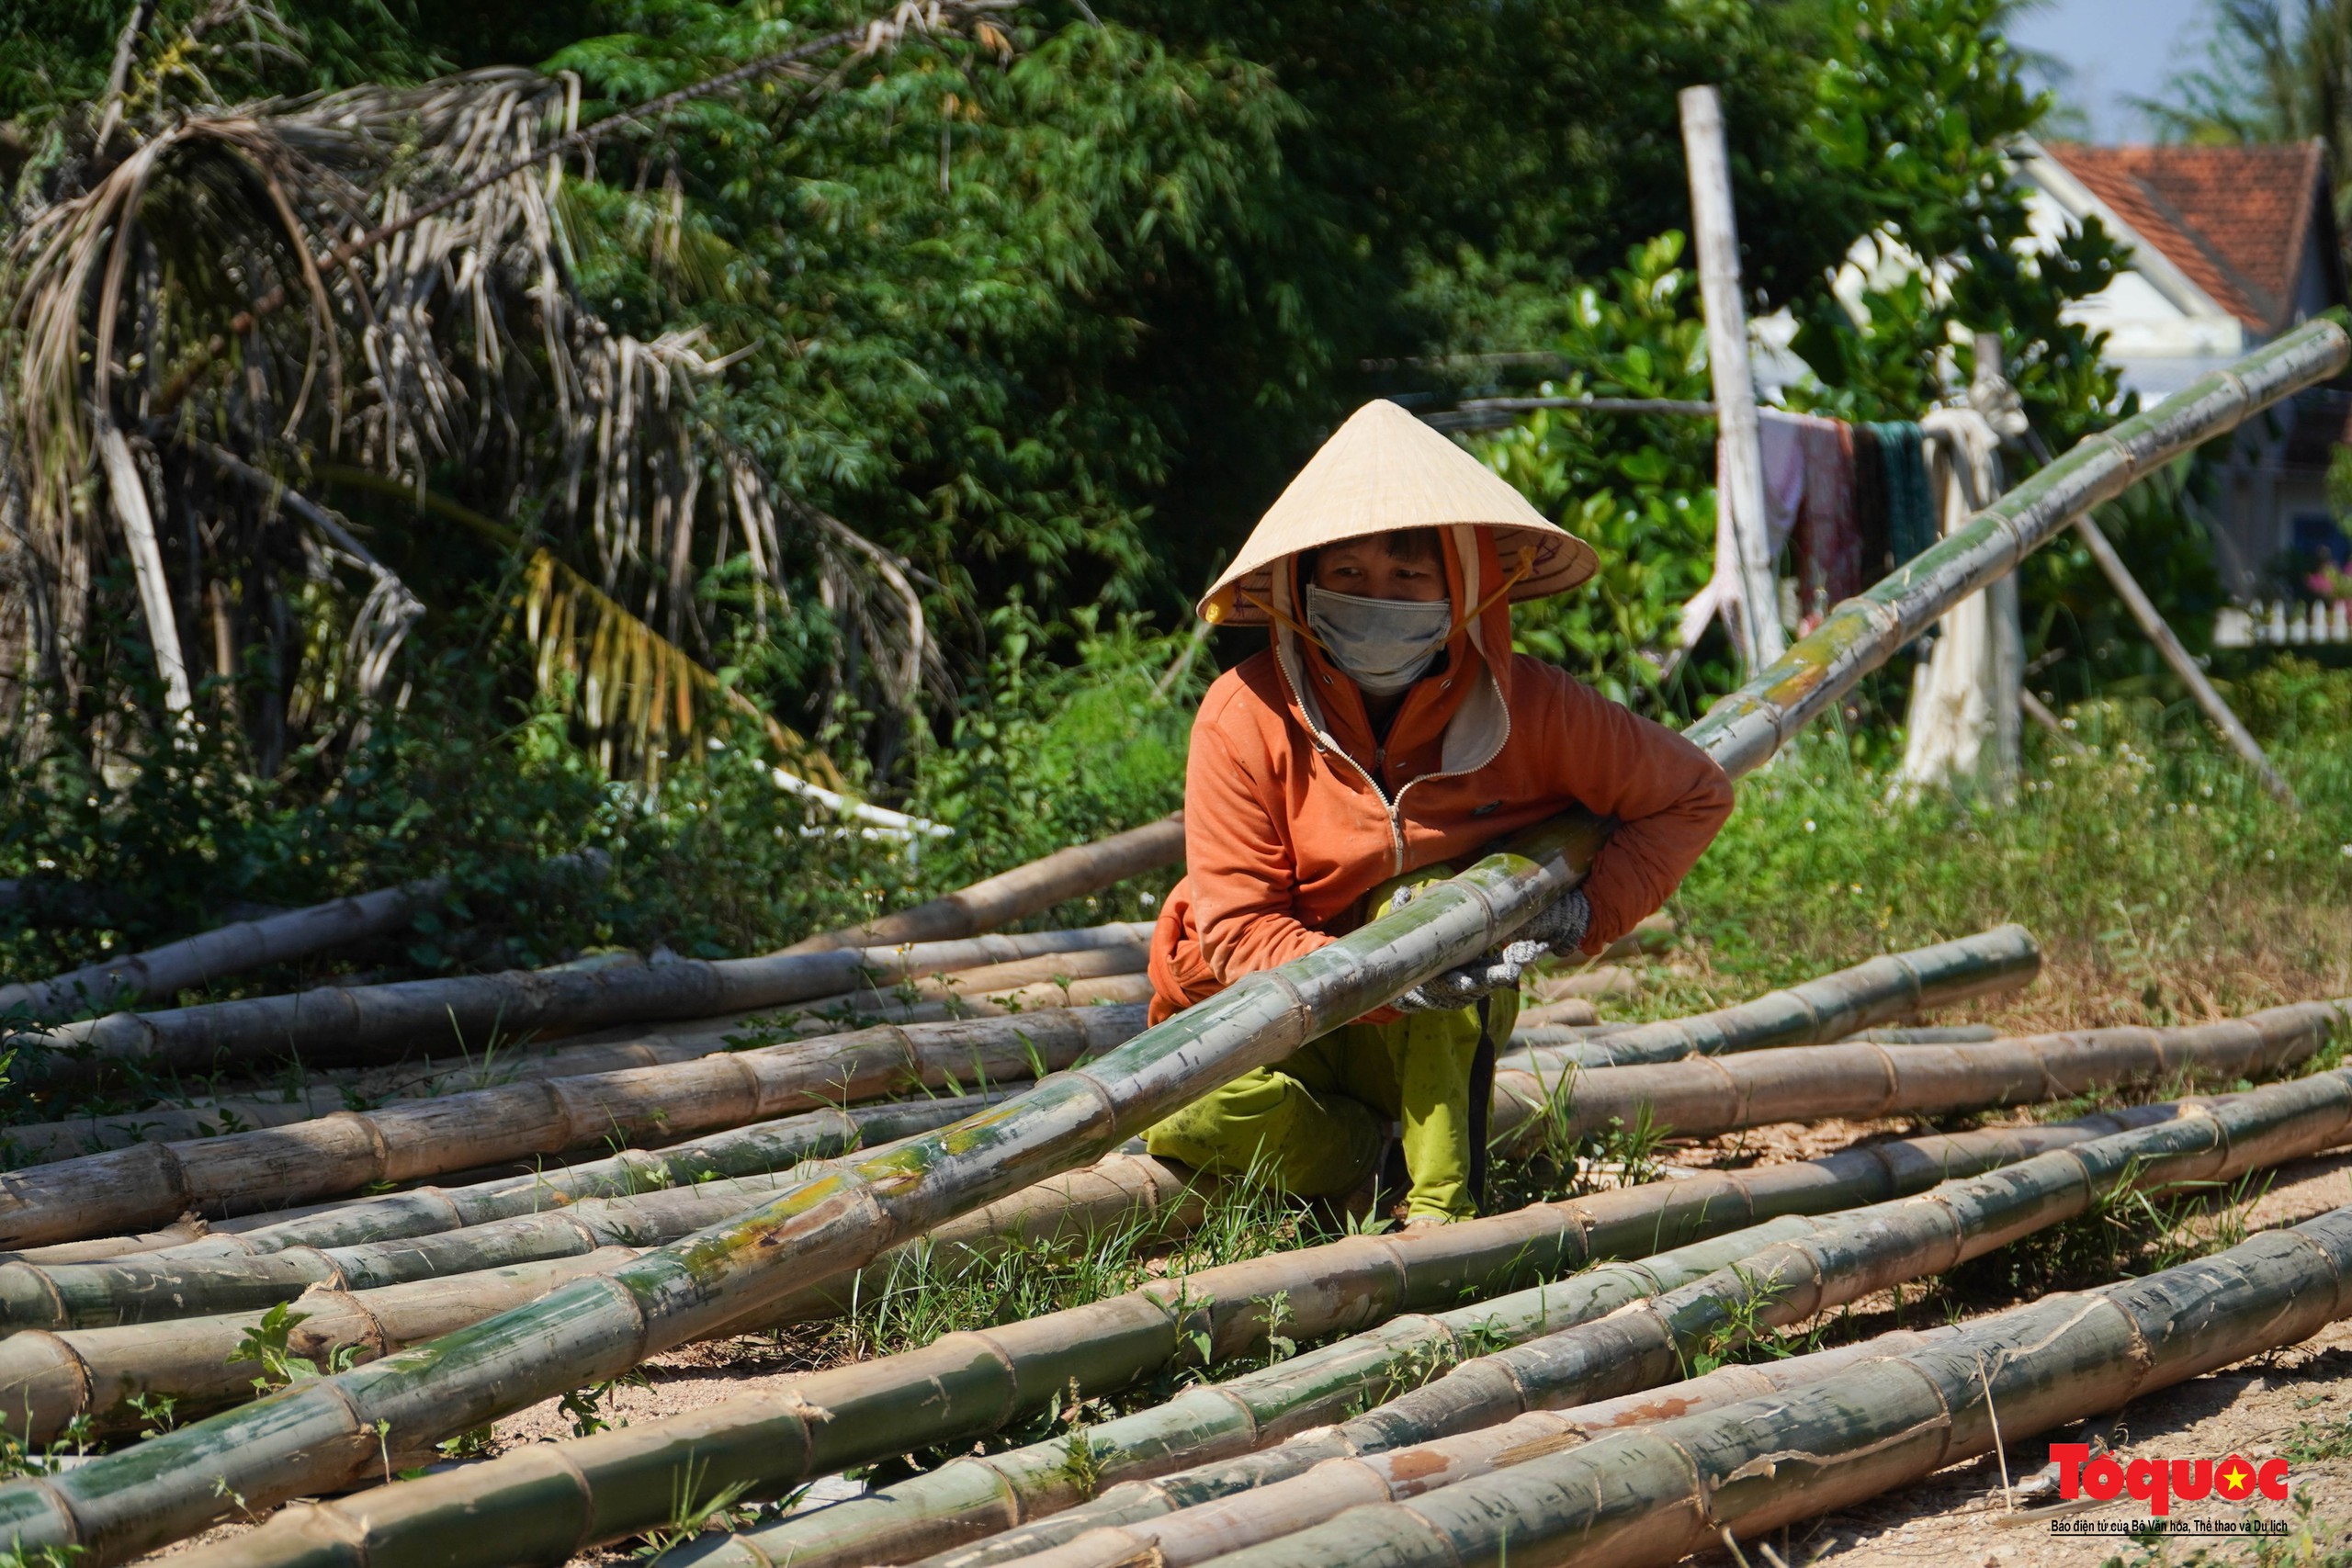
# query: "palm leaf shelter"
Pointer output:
{"type": "Point", "coordinates": [1382, 738]}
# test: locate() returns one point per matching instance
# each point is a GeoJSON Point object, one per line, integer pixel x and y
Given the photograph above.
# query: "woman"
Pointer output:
{"type": "Point", "coordinates": [1388, 735]}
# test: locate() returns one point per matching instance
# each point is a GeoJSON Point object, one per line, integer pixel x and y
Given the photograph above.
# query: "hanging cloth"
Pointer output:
{"type": "Point", "coordinates": [1910, 500]}
{"type": "Point", "coordinates": [1964, 719]}
{"type": "Point", "coordinates": [1826, 547]}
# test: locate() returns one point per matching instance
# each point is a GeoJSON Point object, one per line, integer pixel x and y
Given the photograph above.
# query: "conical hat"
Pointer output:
{"type": "Point", "coordinates": [1385, 470]}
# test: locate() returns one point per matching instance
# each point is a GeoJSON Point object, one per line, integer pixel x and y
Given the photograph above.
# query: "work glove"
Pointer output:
{"type": "Point", "coordinates": [1559, 927]}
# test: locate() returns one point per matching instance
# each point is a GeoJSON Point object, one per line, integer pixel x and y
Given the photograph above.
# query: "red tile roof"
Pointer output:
{"type": "Point", "coordinates": [2233, 218]}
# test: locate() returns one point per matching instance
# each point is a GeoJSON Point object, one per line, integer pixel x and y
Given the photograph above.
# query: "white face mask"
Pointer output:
{"type": "Point", "coordinates": [1384, 645]}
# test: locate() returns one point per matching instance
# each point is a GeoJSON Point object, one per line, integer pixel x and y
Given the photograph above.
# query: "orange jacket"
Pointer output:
{"type": "Point", "coordinates": [1292, 812]}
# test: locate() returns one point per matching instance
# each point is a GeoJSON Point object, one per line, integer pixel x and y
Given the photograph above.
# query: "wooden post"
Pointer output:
{"type": "Point", "coordinates": [1992, 396]}
{"type": "Point", "coordinates": [2210, 700]}
{"type": "Point", "coordinates": [1740, 461]}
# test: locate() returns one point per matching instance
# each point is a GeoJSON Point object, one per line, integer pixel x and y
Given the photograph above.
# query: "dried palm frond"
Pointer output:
{"type": "Point", "coordinates": [379, 279]}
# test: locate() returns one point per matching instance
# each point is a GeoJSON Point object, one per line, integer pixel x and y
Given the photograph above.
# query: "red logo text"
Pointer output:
{"type": "Point", "coordinates": [2157, 1481]}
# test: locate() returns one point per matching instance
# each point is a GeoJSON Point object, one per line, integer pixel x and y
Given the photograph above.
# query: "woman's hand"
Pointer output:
{"type": "Point", "coordinates": [1559, 927]}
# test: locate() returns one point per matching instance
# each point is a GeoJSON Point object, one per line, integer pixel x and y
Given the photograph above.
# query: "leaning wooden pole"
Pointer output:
{"type": "Point", "coordinates": [2143, 610]}
{"type": "Point", "coordinates": [1024, 890]}
{"type": "Point", "coordinates": [324, 1433]}
{"type": "Point", "coordinates": [1662, 1491]}
{"type": "Point", "coordinates": [494, 1514]}
{"type": "Point", "coordinates": [1739, 458]}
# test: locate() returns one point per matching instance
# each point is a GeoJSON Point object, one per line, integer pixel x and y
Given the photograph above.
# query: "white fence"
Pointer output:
{"type": "Point", "coordinates": [2280, 624]}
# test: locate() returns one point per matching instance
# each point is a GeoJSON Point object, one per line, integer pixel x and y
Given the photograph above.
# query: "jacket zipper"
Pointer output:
{"type": "Point", "coordinates": [1324, 742]}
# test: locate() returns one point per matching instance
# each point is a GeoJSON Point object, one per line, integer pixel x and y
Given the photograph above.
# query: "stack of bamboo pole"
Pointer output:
{"type": "Point", "coordinates": [327, 1432]}
{"type": "Point", "coordinates": [1083, 977]}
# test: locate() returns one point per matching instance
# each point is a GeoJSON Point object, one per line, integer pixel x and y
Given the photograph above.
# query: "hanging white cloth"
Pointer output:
{"type": "Point", "coordinates": [1965, 712]}
{"type": "Point", "coordinates": [1776, 436]}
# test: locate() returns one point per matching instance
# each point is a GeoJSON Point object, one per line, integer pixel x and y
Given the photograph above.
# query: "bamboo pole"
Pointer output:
{"type": "Point", "coordinates": [765, 1441]}
{"type": "Point", "coordinates": [1083, 979]}
{"type": "Point", "coordinates": [147, 1290]}
{"type": "Point", "coordinates": [229, 949]}
{"type": "Point", "coordinates": [754, 1150]}
{"type": "Point", "coordinates": [1546, 1090]}
{"type": "Point", "coordinates": [1700, 1096]}
{"type": "Point", "coordinates": [357, 1023]}
{"type": "Point", "coordinates": [2152, 622]}
{"type": "Point", "coordinates": [1878, 990]}
{"type": "Point", "coordinates": [1014, 895]}
{"type": "Point", "coordinates": [278, 1166]}
{"type": "Point", "coordinates": [1211, 1529]}
{"type": "Point", "coordinates": [1658, 1493]}
{"type": "Point", "coordinates": [318, 1434]}
{"type": "Point", "coordinates": [244, 945]}
{"type": "Point", "coordinates": [1812, 1267]}
{"type": "Point", "coordinates": [48, 1379]}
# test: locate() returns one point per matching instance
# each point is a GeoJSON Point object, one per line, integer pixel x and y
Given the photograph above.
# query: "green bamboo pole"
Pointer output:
{"type": "Point", "coordinates": [1025, 890]}
{"type": "Point", "coordinates": [1876, 991]}
{"type": "Point", "coordinates": [765, 1441]}
{"type": "Point", "coordinates": [274, 1166]}
{"type": "Point", "coordinates": [49, 1378]}
{"type": "Point", "coordinates": [320, 1435]}
{"type": "Point", "coordinates": [1660, 1492]}
{"type": "Point", "coordinates": [339, 1025]}
{"type": "Point", "coordinates": [1815, 1267]}
{"type": "Point", "coordinates": [1546, 1090]}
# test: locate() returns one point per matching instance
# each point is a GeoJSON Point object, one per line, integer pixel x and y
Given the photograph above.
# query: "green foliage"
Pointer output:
{"type": "Point", "coordinates": [267, 1344]}
{"type": "Point", "coordinates": [1637, 489]}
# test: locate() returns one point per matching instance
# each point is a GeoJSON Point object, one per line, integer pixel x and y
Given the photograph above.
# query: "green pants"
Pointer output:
{"type": "Point", "coordinates": [1314, 1123]}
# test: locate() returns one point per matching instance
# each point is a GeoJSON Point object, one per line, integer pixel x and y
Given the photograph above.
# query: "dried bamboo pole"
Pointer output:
{"type": "Point", "coordinates": [1699, 1095]}
{"type": "Point", "coordinates": [47, 1379]}
{"type": "Point", "coordinates": [753, 1150]}
{"type": "Point", "coordinates": [1076, 980]}
{"type": "Point", "coordinates": [229, 950]}
{"type": "Point", "coordinates": [1025, 890]}
{"type": "Point", "coordinates": [357, 1023]}
{"type": "Point", "coordinates": [1878, 990]}
{"type": "Point", "coordinates": [1658, 1493]}
{"type": "Point", "coordinates": [151, 1182]}
{"type": "Point", "coordinates": [763, 1441]}
{"type": "Point", "coordinates": [1537, 1092]}
{"type": "Point", "coordinates": [317, 1436]}
{"type": "Point", "coordinates": [151, 1289]}
{"type": "Point", "coordinates": [1199, 1513]}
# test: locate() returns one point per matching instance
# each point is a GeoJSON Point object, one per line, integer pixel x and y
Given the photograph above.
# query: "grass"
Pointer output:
{"type": "Point", "coordinates": [2164, 884]}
